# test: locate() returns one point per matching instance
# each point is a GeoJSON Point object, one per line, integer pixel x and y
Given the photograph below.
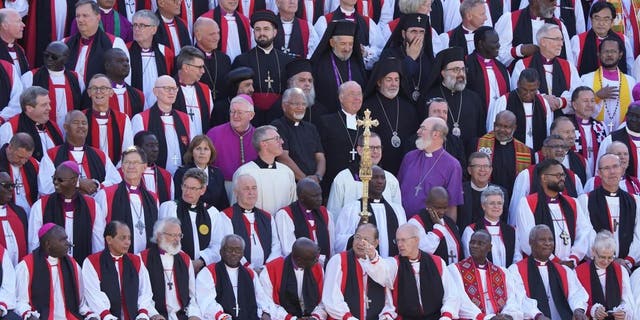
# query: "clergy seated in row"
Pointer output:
{"type": "Point", "coordinates": [230, 290]}
{"type": "Point", "coordinates": [255, 226]}
{"type": "Point", "coordinates": [196, 220]}
{"type": "Point", "coordinates": [562, 213]}
{"type": "Point", "coordinates": [109, 129]}
{"type": "Point", "coordinates": [606, 281]}
{"type": "Point", "coordinates": [117, 284]}
{"type": "Point", "coordinates": [623, 211]}
{"type": "Point", "coordinates": [302, 147]}
{"type": "Point", "coordinates": [528, 181]}
{"type": "Point", "coordinates": [474, 15]}
{"type": "Point", "coordinates": [206, 34]}
{"type": "Point", "coordinates": [611, 85]}
{"type": "Point", "coordinates": [10, 91]}
{"type": "Point", "coordinates": [505, 248]}
{"type": "Point", "coordinates": [235, 31]}
{"type": "Point", "coordinates": [533, 113]}
{"type": "Point", "coordinates": [201, 154]}
{"type": "Point", "coordinates": [81, 217]}
{"type": "Point", "coordinates": [430, 166]}
{"type": "Point", "coordinates": [149, 59]}
{"type": "Point", "coordinates": [34, 120]}
{"type": "Point", "coordinates": [171, 272]}
{"type": "Point", "coordinates": [238, 81]}
{"type": "Point", "coordinates": [486, 75]}
{"type": "Point", "coordinates": [448, 80]}
{"type": "Point", "coordinates": [293, 284]}
{"type": "Point", "coordinates": [438, 107]}
{"type": "Point", "coordinates": [233, 139]}
{"type": "Point", "coordinates": [339, 132]}
{"type": "Point", "coordinates": [297, 37]}
{"type": "Point", "coordinates": [194, 97]}
{"type": "Point", "coordinates": [126, 99]}
{"type": "Point", "coordinates": [156, 179]}
{"type": "Point", "coordinates": [65, 89]}
{"type": "Point", "coordinates": [13, 229]}
{"type": "Point", "coordinates": [307, 218]}
{"type": "Point", "coordinates": [552, 290]}
{"type": "Point", "coordinates": [488, 290]}
{"type": "Point", "coordinates": [275, 181]}
{"type": "Point", "coordinates": [17, 161]}
{"type": "Point", "coordinates": [8, 287]}
{"type": "Point", "coordinates": [338, 51]}
{"type": "Point", "coordinates": [572, 160]}
{"type": "Point", "coordinates": [268, 65]}
{"type": "Point", "coordinates": [386, 216]}
{"type": "Point", "coordinates": [558, 77]}
{"type": "Point", "coordinates": [347, 186]}
{"type": "Point", "coordinates": [585, 45]}
{"type": "Point", "coordinates": [172, 31]}
{"type": "Point", "coordinates": [11, 30]}
{"type": "Point", "coordinates": [422, 285]}
{"type": "Point", "coordinates": [87, 48]}
{"type": "Point", "coordinates": [438, 233]}
{"type": "Point", "coordinates": [480, 170]}
{"type": "Point", "coordinates": [96, 169]}
{"type": "Point", "coordinates": [627, 135]}
{"type": "Point", "coordinates": [49, 282]}
{"type": "Point", "coordinates": [627, 182]}
{"type": "Point", "coordinates": [173, 128]}
{"type": "Point", "coordinates": [349, 291]}
{"type": "Point", "coordinates": [387, 98]}
{"type": "Point", "coordinates": [111, 21]}
{"type": "Point", "coordinates": [130, 202]}
{"type": "Point", "coordinates": [589, 132]}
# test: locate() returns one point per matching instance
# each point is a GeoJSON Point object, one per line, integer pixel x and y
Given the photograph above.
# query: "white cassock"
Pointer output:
{"type": "Point", "coordinates": [549, 73]}
{"type": "Point", "coordinates": [386, 11]}
{"type": "Point", "coordinates": [139, 239]}
{"type": "Point", "coordinates": [287, 236]}
{"type": "Point", "coordinates": [429, 241]}
{"type": "Point", "coordinates": [628, 47]}
{"type": "Point", "coordinates": [349, 219]}
{"type": "Point", "coordinates": [47, 169]}
{"type": "Point", "coordinates": [193, 108]}
{"type": "Point", "coordinates": [59, 95]}
{"type": "Point", "coordinates": [58, 311]}
{"type": "Point", "coordinates": [578, 13]}
{"type": "Point", "coordinates": [576, 250]}
{"type": "Point", "coordinates": [206, 293]}
{"type": "Point", "coordinates": [150, 182]}
{"type": "Point", "coordinates": [10, 238]}
{"type": "Point", "coordinates": [127, 136]}
{"type": "Point", "coordinates": [8, 285]}
{"type": "Point", "coordinates": [627, 302]}
{"type": "Point", "coordinates": [171, 293]}
{"type": "Point", "coordinates": [7, 131]}
{"type": "Point", "coordinates": [174, 158]}
{"type": "Point", "coordinates": [98, 301]}
{"type": "Point", "coordinates": [501, 104]}
{"type": "Point", "coordinates": [634, 281]}
{"type": "Point", "coordinates": [498, 249]}
{"type": "Point", "coordinates": [577, 299]}
{"type": "Point", "coordinates": [169, 208]}
{"type": "Point", "coordinates": [97, 232]}
{"type": "Point", "coordinates": [506, 56]}
{"type": "Point", "coordinates": [233, 39]}
{"type": "Point", "coordinates": [333, 297]}
{"type": "Point", "coordinates": [468, 35]}
{"type": "Point", "coordinates": [589, 185]}
{"type": "Point", "coordinates": [611, 119]}
{"type": "Point", "coordinates": [308, 9]}
{"type": "Point", "coordinates": [613, 206]}
{"type": "Point", "coordinates": [149, 74]}
{"type": "Point", "coordinates": [521, 188]}
{"type": "Point", "coordinates": [345, 189]}
{"type": "Point", "coordinates": [224, 227]}
{"type": "Point", "coordinates": [385, 271]}
{"type": "Point", "coordinates": [83, 55]}
{"type": "Point", "coordinates": [602, 149]}
{"type": "Point", "coordinates": [19, 192]}
{"type": "Point", "coordinates": [278, 312]}
{"type": "Point", "coordinates": [276, 186]}
{"type": "Point", "coordinates": [468, 310]}
{"type": "Point", "coordinates": [13, 107]}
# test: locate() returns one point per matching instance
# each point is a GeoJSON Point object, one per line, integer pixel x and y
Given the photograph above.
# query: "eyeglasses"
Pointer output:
{"type": "Point", "coordinates": [457, 69]}
{"type": "Point", "coordinates": [601, 19]}
{"type": "Point", "coordinates": [276, 138]}
{"type": "Point", "coordinates": [173, 235]}
{"type": "Point", "coordinates": [60, 180]}
{"type": "Point", "coordinates": [8, 185]}
{"type": "Point", "coordinates": [554, 39]}
{"type": "Point", "coordinates": [556, 175]}
{"type": "Point", "coordinates": [239, 112]}
{"type": "Point", "coordinates": [556, 146]}
{"type": "Point", "coordinates": [100, 89]}
{"type": "Point", "coordinates": [358, 237]}
{"type": "Point", "coordinates": [141, 26]}
{"type": "Point", "coordinates": [200, 67]}
{"type": "Point", "coordinates": [131, 163]}
{"type": "Point", "coordinates": [168, 88]}
{"type": "Point", "coordinates": [187, 188]}
{"type": "Point", "coordinates": [495, 203]}
{"type": "Point", "coordinates": [481, 166]}
{"type": "Point", "coordinates": [403, 240]}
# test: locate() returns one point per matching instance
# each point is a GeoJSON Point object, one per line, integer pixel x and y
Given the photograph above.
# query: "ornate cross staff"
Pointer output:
{"type": "Point", "coordinates": [365, 163]}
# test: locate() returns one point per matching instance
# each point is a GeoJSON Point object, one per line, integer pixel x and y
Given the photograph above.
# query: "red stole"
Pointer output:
{"type": "Point", "coordinates": [127, 109]}
{"type": "Point", "coordinates": [19, 228]}
{"type": "Point", "coordinates": [94, 139]}
{"type": "Point", "coordinates": [86, 169]}
{"type": "Point", "coordinates": [502, 83]}
{"type": "Point", "coordinates": [275, 271]}
{"type": "Point", "coordinates": [584, 276]}
{"type": "Point", "coordinates": [524, 274]}
{"type": "Point", "coordinates": [52, 95]}
{"type": "Point", "coordinates": [496, 284]}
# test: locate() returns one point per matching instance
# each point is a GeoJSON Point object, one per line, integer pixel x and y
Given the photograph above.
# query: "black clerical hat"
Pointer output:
{"type": "Point", "coordinates": [264, 15]}
{"type": "Point", "coordinates": [382, 68]}
{"type": "Point", "coordinates": [235, 76]}
{"type": "Point", "coordinates": [296, 66]}
{"type": "Point", "coordinates": [343, 28]}
{"type": "Point", "coordinates": [414, 20]}
{"type": "Point", "coordinates": [338, 28]}
{"type": "Point", "coordinates": [443, 58]}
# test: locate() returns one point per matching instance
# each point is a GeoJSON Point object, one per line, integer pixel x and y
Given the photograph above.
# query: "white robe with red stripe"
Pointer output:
{"type": "Point", "coordinates": [287, 236]}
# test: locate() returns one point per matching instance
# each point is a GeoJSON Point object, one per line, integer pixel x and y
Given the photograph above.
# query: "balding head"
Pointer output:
{"type": "Point", "coordinates": [207, 34]}
{"type": "Point", "coordinates": [305, 252]}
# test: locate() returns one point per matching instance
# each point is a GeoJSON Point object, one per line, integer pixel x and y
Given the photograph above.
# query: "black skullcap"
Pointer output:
{"type": "Point", "coordinates": [296, 66]}
{"type": "Point", "coordinates": [414, 20]}
{"type": "Point", "coordinates": [264, 15]}
{"type": "Point", "coordinates": [343, 28]}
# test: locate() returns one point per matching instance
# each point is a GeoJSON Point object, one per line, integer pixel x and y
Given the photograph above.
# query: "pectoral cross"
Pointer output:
{"type": "Point", "coordinates": [268, 80]}
{"type": "Point", "coordinates": [367, 302]}
{"type": "Point", "coordinates": [237, 309]}
{"type": "Point", "coordinates": [353, 153]}
{"type": "Point", "coordinates": [285, 50]}
{"type": "Point", "coordinates": [18, 186]}
{"type": "Point", "coordinates": [452, 255]}
{"type": "Point", "coordinates": [191, 113]}
{"type": "Point", "coordinates": [610, 125]}
{"type": "Point", "coordinates": [565, 237]}
{"type": "Point", "coordinates": [175, 159]}
{"type": "Point", "coordinates": [170, 285]}
{"type": "Point", "coordinates": [530, 132]}
{"type": "Point", "coordinates": [140, 226]}
{"type": "Point", "coordinates": [616, 223]}
{"type": "Point", "coordinates": [419, 18]}
{"type": "Point", "coordinates": [418, 189]}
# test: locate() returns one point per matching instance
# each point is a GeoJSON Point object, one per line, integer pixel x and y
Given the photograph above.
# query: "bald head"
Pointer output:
{"type": "Point", "coordinates": [207, 34]}
{"type": "Point", "coordinates": [304, 252]}
{"type": "Point", "coordinates": [437, 193]}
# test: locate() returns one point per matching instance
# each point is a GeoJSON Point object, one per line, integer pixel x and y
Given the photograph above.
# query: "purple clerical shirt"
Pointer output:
{"type": "Point", "coordinates": [108, 22]}
{"type": "Point", "coordinates": [419, 172]}
{"type": "Point", "coordinates": [230, 151]}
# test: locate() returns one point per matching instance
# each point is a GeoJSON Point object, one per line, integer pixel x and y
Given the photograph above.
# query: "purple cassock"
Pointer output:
{"type": "Point", "coordinates": [108, 21]}
{"type": "Point", "coordinates": [233, 149]}
{"type": "Point", "coordinates": [420, 171]}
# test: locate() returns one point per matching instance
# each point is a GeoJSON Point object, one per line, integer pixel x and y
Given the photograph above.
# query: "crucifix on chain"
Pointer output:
{"type": "Point", "coordinates": [452, 256]}
{"type": "Point", "coordinates": [191, 113]}
{"type": "Point", "coordinates": [268, 80]}
{"type": "Point", "coordinates": [175, 159]}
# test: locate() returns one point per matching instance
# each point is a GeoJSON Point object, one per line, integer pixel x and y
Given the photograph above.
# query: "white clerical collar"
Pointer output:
{"type": "Point", "coordinates": [116, 257]}
{"type": "Point", "coordinates": [287, 22]}
{"type": "Point", "coordinates": [68, 200]}
{"type": "Point", "coordinates": [347, 13]}
{"type": "Point", "coordinates": [52, 260]}
{"type": "Point", "coordinates": [231, 268]}
{"type": "Point", "coordinates": [541, 263]}
{"type": "Point", "coordinates": [430, 154]}
{"type": "Point", "coordinates": [467, 29]}
{"type": "Point", "coordinates": [349, 115]}
{"type": "Point", "coordinates": [266, 51]}
{"type": "Point", "coordinates": [476, 188]}
{"type": "Point", "coordinates": [493, 223]}
{"type": "Point", "coordinates": [106, 11]}
{"type": "Point", "coordinates": [504, 143]}
{"type": "Point", "coordinates": [376, 200]}
{"type": "Point", "coordinates": [56, 73]}
{"type": "Point", "coordinates": [166, 20]}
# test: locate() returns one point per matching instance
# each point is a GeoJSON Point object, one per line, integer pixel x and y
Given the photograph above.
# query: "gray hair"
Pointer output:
{"type": "Point", "coordinates": [242, 101]}
{"type": "Point", "coordinates": [410, 6]}
{"type": "Point", "coordinates": [196, 173]}
{"type": "Point", "coordinates": [440, 126]}
{"type": "Point", "coordinates": [30, 95]}
{"type": "Point", "coordinates": [260, 134]}
{"type": "Point", "coordinates": [291, 92]}
{"type": "Point", "coordinates": [491, 191]}
{"type": "Point", "coordinates": [544, 30]}
{"type": "Point", "coordinates": [534, 231]}
{"type": "Point", "coordinates": [467, 5]}
{"type": "Point", "coordinates": [148, 14]}
{"type": "Point", "coordinates": [346, 85]}
{"type": "Point", "coordinates": [604, 240]}
{"type": "Point", "coordinates": [159, 226]}
{"type": "Point", "coordinates": [71, 114]}
{"type": "Point", "coordinates": [228, 237]}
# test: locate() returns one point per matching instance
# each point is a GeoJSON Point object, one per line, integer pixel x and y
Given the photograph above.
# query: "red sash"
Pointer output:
{"type": "Point", "coordinates": [496, 283]}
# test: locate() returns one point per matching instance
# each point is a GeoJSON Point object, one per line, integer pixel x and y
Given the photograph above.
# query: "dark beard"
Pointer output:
{"type": "Point", "coordinates": [555, 187]}
{"type": "Point", "coordinates": [264, 43]}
